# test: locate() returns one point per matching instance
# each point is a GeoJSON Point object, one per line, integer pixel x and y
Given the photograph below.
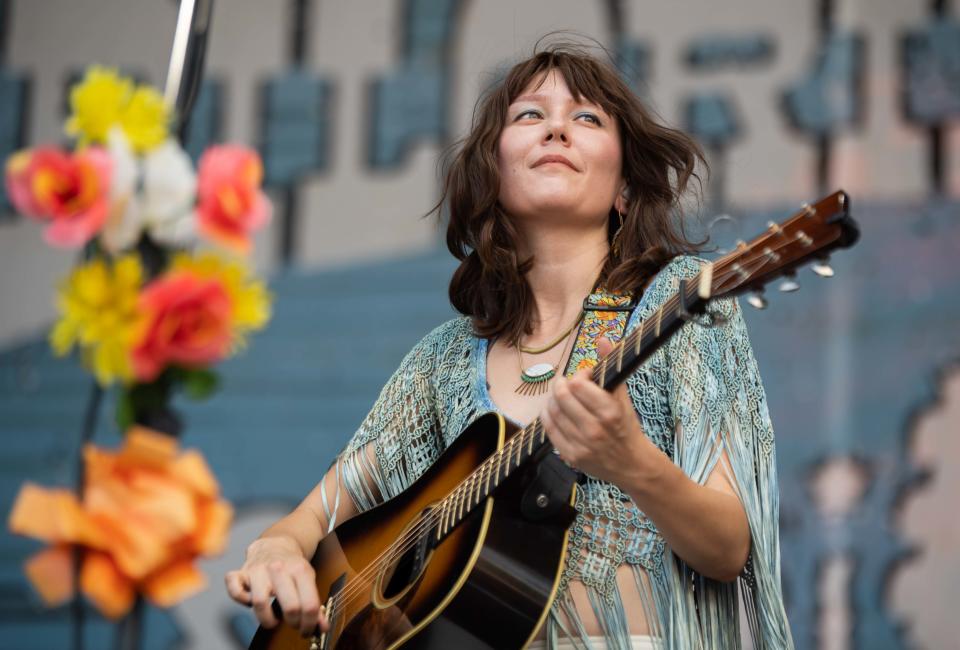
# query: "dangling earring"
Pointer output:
{"type": "Point", "coordinates": [615, 245]}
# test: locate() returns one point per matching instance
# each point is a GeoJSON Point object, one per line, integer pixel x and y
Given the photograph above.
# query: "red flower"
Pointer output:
{"type": "Point", "coordinates": [187, 321]}
{"type": "Point", "coordinates": [70, 191]}
{"type": "Point", "coordinates": [231, 204]}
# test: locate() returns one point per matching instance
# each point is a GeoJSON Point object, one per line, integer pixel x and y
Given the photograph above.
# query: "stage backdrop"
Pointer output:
{"type": "Point", "coordinates": [350, 104]}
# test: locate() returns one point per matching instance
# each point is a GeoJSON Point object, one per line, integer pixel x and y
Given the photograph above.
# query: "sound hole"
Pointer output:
{"type": "Point", "coordinates": [410, 557]}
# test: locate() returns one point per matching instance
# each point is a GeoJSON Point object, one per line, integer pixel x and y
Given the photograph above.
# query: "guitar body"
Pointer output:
{"type": "Point", "coordinates": [486, 585]}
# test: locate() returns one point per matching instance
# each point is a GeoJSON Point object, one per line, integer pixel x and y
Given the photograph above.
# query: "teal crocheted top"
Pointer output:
{"type": "Point", "coordinates": [697, 396]}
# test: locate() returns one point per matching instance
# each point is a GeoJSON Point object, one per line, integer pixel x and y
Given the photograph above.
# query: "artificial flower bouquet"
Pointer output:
{"type": "Point", "coordinates": [144, 310]}
{"type": "Point", "coordinates": [162, 292]}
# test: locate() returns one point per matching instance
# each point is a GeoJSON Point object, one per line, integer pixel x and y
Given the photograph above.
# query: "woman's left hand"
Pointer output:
{"type": "Point", "coordinates": [595, 430]}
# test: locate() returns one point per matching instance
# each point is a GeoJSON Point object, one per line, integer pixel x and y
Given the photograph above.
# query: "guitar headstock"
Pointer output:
{"type": "Point", "coordinates": [807, 237]}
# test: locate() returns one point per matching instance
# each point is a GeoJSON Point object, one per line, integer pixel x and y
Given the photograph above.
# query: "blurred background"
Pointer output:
{"type": "Point", "coordinates": [351, 103]}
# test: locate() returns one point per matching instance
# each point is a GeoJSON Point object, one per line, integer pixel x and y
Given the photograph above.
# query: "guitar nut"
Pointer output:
{"type": "Point", "coordinates": [542, 500]}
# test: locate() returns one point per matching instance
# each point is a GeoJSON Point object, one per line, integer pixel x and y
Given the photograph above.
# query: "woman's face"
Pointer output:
{"type": "Point", "coordinates": [559, 159]}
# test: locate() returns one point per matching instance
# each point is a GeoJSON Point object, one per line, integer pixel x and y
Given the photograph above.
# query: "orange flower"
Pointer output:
{"type": "Point", "coordinates": [70, 191]}
{"type": "Point", "coordinates": [186, 320]}
{"type": "Point", "coordinates": [586, 362]}
{"type": "Point", "coordinates": [230, 203]}
{"type": "Point", "coordinates": [148, 512]}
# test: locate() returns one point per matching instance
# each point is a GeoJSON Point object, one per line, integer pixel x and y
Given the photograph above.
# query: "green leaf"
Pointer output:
{"type": "Point", "coordinates": [200, 384]}
{"type": "Point", "coordinates": [125, 411]}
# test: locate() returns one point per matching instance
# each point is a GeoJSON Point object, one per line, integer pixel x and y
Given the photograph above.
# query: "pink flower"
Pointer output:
{"type": "Point", "coordinates": [69, 191]}
{"type": "Point", "coordinates": [187, 321]}
{"type": "Point", "coordinates": [231, 204]}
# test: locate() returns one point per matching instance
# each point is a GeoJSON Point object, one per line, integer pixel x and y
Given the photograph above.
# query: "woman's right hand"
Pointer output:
{"type": "Point", "coordinates": [275, 566]}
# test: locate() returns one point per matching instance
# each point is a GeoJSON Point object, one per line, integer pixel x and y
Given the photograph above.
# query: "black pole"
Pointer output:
{"type": "Point", "coordinates": [187, 58]}
{"type": "Point", "coordinates": [86, 435]}
{"type": "Point", "coordinates": [935, 133]}
{"type": "Point", "coordinates": [184, 76]}
{"type": "Point", "coordinates": [824, 140]}
{"type": "Point", "coordinates": [289, 226]}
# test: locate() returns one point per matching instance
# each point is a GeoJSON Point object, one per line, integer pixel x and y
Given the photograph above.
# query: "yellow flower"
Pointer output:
{"type": "Point", "coordinates": [249, 298]}
{"type": "Point", "coordinates": [97, 103]}
{"type": "Point", "coordinates": [98, 306]}
{"type": "Point", "coordinates": [105, 99]}
{"type": "Point", "coordinates": [145, 119]}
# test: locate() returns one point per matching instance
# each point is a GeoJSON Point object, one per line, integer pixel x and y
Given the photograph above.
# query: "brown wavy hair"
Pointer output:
{"type": "Point", "coordinates": [490, 284]}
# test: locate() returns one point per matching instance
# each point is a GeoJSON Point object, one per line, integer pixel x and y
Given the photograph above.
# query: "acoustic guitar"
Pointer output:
{"type": "Point", "coordinates": [470, 555]}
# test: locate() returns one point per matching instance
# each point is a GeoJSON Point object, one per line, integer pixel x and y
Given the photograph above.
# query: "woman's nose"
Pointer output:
{"type": "Point", "coordinates": [556, 130]}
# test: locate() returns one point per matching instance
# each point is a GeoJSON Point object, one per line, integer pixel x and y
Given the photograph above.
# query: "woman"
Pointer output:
{"type": "Point", "coordinates": [566, 188]}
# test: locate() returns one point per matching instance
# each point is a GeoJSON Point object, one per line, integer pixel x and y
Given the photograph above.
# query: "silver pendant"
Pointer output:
{"type": "Point", "coordinates": [534, 379]}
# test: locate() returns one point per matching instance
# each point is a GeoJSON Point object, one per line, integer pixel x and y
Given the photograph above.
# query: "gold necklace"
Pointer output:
{"type": "Point", "coordinates": [548, 346]}
{"type": "Point", "coordinates": [534, 380]}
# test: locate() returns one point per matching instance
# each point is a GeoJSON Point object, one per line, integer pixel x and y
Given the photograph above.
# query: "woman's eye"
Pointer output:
{"type": "Point", "coordinates": [590, 117]}
{"type": "Point", "coordinates": [528, 112]}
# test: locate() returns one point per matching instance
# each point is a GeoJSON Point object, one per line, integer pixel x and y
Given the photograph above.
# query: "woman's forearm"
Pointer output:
{"type": "Point", "coordinates": [308, 522]}
{"type": "Point", "coordinates": [704, 526]}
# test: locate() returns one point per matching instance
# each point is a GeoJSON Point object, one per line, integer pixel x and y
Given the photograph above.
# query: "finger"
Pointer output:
{"type": "Point", "coordinates": [261, 597]}
{"type": "Point", "coordinates": [309, 601]}
{"type": "Point", "coordinates": [568, 449]}
{"type": "Point", "coordinates": [568, 412]}
{"type": "Point", "coordinates": [594, 399]}
{"type": "Point", "coordinates": [238, 586]}
{"type": "Point", "coordinates": [287, 595]}
{"type": "Point", "coordinates": [604, 346]}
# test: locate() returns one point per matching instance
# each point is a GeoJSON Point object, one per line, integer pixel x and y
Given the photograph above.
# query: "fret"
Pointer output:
{"type": "Point", "coordinates": [507, 449]}
{"type": "Point", "coordinates": [467, 493]}
{"type": "Point", "coordinates": [496, 476]}
{"type": "Point", "coordinates": [620, 347]}
{"type": "Point", "coordinates": [443, 514]}
{"type": "Point", "coordinates": [445, 520]}
{"type": "Point", "coordinates": [656, 332]}
{"type": "Point", "coordinates": [705, 285]}
{"type": "Point", "coordinates": [519, 448]}
{"type": "Point", "coordinates": [529, 441]}
{"type": "Point", "coordinates": [460, 499]}
{"type": "Point", "coordinates": [487, 466]}
{"type": "Point", "coordinates": [636, 348]}
{"type": "Point", "coordinates": [476, 487]}
{"type": "Point", "coordinates": [603, 373]}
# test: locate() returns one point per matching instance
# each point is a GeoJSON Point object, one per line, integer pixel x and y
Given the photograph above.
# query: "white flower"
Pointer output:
{"type": "Point", "coordinates": [123, 225]}
{"type": "Point", "coordinates": [156, 193]}
{"type": "Point", "coordinates": [169, 193]}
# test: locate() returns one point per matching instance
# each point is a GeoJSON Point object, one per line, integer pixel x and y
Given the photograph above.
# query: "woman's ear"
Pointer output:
{"type": "Point", "coordinates": [620, 203]}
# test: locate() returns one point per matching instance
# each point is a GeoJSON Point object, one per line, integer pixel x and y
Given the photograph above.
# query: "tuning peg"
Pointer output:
{"type": "Point", "coordinates": [756, 300]}
{"type": "Point", "coordinates": [822, 268]}
{"type": "Point", "coordinates": [789, 284]}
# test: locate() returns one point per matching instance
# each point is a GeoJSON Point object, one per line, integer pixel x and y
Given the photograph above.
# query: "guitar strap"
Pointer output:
{"type": "Point", "coordinates": [607, 314]}
{"type": "Point", "coordinates": [548, 492]}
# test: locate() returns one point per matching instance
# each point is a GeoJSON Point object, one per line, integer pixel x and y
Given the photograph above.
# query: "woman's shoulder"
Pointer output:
{"type": "Point", "coordinates": [665, 282]}
{"type": "Point", "coordinates": [447, 335]}
{"type": "Point", "coordinates": [682, 267]}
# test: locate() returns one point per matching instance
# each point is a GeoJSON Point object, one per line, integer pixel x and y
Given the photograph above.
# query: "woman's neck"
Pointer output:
{"type": "Point", "coordinates": [565, 268]}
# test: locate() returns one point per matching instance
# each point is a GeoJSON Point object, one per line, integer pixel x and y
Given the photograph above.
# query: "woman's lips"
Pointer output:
{"type": "Point", "coordinates": [554, 158]}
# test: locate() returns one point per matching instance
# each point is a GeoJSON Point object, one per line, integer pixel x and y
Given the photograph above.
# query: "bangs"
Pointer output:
{"type": "Point", "coordinates": [583, 76]}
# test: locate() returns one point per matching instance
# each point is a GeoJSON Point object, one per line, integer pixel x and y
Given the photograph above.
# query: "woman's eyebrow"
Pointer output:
{"type": "Point", "coordinates": [543, 98]}
{"type": "Point", "coordinates": [530, 98]}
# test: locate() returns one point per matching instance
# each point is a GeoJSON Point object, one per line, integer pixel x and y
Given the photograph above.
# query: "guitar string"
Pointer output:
{"type": "Point", "coordinates": [414, 535]}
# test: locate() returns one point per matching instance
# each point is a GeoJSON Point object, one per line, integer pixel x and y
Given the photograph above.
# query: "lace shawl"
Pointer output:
{"type": "Point", "coordinates": [698, 395]}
